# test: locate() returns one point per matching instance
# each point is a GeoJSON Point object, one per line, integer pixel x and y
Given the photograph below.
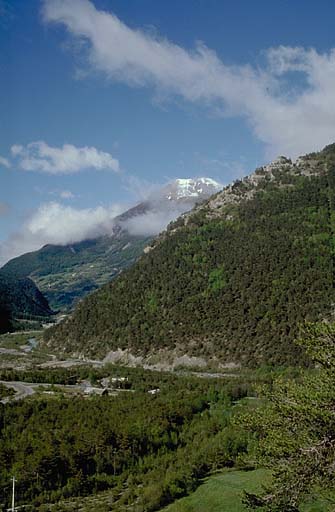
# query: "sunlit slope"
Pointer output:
{"type": "Point", "coordinates": [232, 281]}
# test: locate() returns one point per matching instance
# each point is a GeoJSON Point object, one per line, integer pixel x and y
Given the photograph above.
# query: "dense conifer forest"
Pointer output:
{"type": "Point", "coordinates": [233, 284]}
{"type": "Point", "coordinates": [238, 283]}
{"type": "Point", "coordinates": [167, 259]}
{"type": "Point", "coordinates": [140, 451]}
{"type": "Point", "coordinates": [136, 445]}
{"type": "Point", "coordinates": [19, 298]}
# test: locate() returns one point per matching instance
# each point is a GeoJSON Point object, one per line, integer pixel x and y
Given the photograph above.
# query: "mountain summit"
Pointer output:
{"type": "Point", "coordinates": [66, 273]}
{"type": "Point", "coordinates": [187, 188]}
{"type": "Point", "coordinates": [231, 281]}
{"type": "Point", "coordinates": [164, 205]}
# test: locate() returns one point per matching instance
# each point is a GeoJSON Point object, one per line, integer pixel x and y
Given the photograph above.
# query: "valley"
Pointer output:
{"type": "Point", "coordinates": [66, 390]}
{"type": "Point", "coordinates": [159, 433]}
{"type": "Point", "coordinates": [167, 256]}
{"type": "Point", "coordinates": [165, 389]}
{"type": "Point", "coordinates": [21, 355]}
{"type": "Point", "coordinates": [67, 273]}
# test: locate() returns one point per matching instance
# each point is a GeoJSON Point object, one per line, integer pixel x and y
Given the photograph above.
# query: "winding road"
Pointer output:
{"type": "Point", "coordinates": [21, 390]}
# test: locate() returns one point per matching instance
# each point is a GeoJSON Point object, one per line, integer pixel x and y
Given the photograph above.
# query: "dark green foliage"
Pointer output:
{"type": "Point", "coordinates": [5, 392]}
{"type": "Point", "coordinates": [20, 298]}
{"type": "Point", "coordinates": [67, 273]}
{"type": "Point", "coordinates": [155, 448]}
{"type": "Point", "coordinates": [296, 431]}
{"type": "Point", "coordinates": [6, 324]}
{"type": "Point", "coordinates": [236, 286]}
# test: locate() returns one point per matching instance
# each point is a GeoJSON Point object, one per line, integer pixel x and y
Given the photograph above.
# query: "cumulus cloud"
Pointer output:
{"type": "Point", "coordinates": [152, 222]}
{"type": "Point", "coordinates": [4, 162]}
{"type": "Point", "coordinates": [286, 118]}
{"type": "Point", "coordinates": [59, 224]}
{"type": "Point", "coordinates": [165, 204]}
{"type": "Point", "coordinates": [54, 223]}
{"type": "Point", "coordinates": [67, 159]}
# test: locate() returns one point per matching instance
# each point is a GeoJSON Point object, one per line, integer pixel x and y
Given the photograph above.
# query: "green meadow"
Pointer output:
{"type": "Point", "coordinates": [224, 493]}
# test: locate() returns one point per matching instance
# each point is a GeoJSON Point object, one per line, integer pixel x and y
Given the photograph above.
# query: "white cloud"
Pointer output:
{"type": "Point", "coordinates": [163, 204]}
{"type": "Point", "coordinates": [54, 223]}
{"type": "Point", "coordinates": [288, 118]}
{"type": "Point", "coordinates": [152, 222]}
{"type": "Point", "coordinates": [59, 224]}
{"type": "Point", "coordinates": [4, 162]}
{"type": "Point", "coordinates": [68, 159]}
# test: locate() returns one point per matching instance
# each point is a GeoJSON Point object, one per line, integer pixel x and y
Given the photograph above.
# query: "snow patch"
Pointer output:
{"type": "Point", "coordinates": [191, 188]}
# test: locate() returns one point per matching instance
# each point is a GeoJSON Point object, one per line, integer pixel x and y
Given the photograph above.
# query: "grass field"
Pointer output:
{"type": "Point", "coordinates": [223, 493]}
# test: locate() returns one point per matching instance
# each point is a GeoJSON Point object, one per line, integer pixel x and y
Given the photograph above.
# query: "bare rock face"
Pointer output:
{"type": "Point", "coordinates": [162, 359]}
{"type": "Point", "coordinates": [275, 172]}
{"type": "Point", "coordinates": [198, 188]}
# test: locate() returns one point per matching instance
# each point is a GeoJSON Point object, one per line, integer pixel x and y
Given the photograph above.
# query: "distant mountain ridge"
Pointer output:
{"type": "Point", "coordinates": [229, 282]}
{"type": "Point", "coordinates": [180, 194]}
{"type": "Point", "coordinates": [67, 273]}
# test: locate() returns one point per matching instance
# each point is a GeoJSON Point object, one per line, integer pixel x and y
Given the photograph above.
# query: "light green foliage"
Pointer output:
{"type": "Point", "coordinates": [217, 279]}
{"type": "Point", "coordinates": [152, 303]}
{"type": "Point", "coordinates": [222, 492]}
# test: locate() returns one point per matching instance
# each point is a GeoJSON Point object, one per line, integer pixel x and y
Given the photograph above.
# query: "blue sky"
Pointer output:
{"type": "Point", "coordinates": [142, 92]}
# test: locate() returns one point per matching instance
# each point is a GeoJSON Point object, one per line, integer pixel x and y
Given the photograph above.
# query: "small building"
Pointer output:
{"type": "Point", "coordinates": [154, 391]}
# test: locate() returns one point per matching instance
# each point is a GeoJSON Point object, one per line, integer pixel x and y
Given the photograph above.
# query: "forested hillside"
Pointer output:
{"type": "Point", "coordinates": [5, 318]}
{"type": "Point", "coordinates": [138, 447]}
{"type": "Point", "coordinates": [232, 281]}
{"type": "Point", "coordinates": [20, 298]}
{"type": "Point", "coordinates": [67, 273]}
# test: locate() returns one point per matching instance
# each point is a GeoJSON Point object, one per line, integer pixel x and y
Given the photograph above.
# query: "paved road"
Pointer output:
{"type": "Point", "coordinates": [21, 389]}
{"type": "Point", "coordinates": [24, 389]}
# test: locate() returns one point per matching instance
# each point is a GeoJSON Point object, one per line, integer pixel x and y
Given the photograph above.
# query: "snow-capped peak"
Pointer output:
{"type": "Point", "coordinates": [183, 188]}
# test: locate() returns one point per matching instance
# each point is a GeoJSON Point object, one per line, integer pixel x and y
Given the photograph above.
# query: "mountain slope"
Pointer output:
{"type": "Point", "coordinates": [67, 273]}
{"type": "Point", "coordinates": [232, 280]}
{"type": "Point", "coordinates": [20, 298]}
{"type": "Point", "coordinates": [5, 318]}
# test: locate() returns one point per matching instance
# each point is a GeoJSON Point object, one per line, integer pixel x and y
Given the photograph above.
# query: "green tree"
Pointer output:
{"type": "Point", "coordinates": [296, 430]}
